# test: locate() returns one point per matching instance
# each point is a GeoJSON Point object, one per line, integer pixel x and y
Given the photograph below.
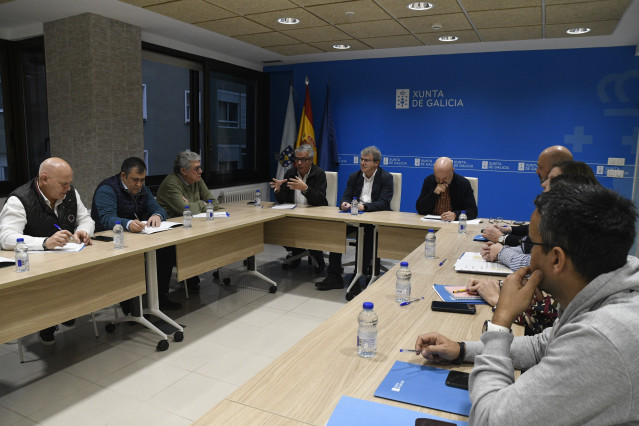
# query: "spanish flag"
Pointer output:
{"type": "Point", "coordinates": [306, 133]}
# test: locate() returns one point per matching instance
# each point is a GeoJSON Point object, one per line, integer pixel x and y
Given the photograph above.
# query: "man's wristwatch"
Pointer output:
{"type": "Point", "coordinates": [44, 244]}
{"type": "Point", "coordinates": [489, 326]}
{"type": "Point", "coordinates": [502, 239]}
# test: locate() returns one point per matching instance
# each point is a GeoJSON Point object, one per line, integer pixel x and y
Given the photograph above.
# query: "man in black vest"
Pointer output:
{"type": "Point", "coordinates": [47, 212]}
{"type": "Point", "coordinates": [124, 198]}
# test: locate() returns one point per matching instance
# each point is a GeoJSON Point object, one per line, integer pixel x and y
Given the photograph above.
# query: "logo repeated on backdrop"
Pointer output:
{"type": "Point", "coordinates": [613, 91]}
{"type": "Point", "coordinates": [420, 98]}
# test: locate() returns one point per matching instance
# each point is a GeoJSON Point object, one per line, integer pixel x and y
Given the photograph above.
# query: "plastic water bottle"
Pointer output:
{"type": "Point", "coordinates": [258, 198]}
{"type": "Point", "coordinates": [22, 256]}
{"type": "Point", "coordinates": [118, 235]}
{"type": "Point", "coordinates": [367, 331]}
{"type": "Point", "coordinates": [462, 222]}
{"type": "Point", "coordinates": [430, 246]}
{"type": "Point", "coordinates": [402, 286]}
{"type": "Point", "coordinates": [210, 215]}
{"type": "Point", "coordinates": [187, 217]}
{"type": "Point", "coordinates": [354, 209]}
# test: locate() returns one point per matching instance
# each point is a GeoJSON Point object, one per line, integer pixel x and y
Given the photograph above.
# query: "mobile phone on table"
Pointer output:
{"type": "Point", "coordinates": [102, 238]}
{"type": "Point", "coordinates": [456, 308]}
{"type": "Point", "coordinates": [457, 379]}
{"type": "Point", "coordinates": [422, 421]}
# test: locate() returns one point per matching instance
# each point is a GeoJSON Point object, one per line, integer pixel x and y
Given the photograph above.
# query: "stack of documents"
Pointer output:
{"type": "Point", "coordinates": [439, 218]}
{"type": "Point", "coordinates": [473, 263]}
{"type": "Point", "coordinates": [163, 227]}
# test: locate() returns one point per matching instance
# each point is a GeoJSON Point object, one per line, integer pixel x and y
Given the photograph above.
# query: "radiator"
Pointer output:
{"type": "Point", "coordinates": [239, 195]}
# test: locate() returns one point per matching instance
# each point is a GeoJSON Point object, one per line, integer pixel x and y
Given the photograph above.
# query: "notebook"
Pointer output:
{"type": "Point", "coordinates": [458, 292]}
{"type": "Point", "coordinates": [473, 263]}
{"type": "Point", "coordinates": [424, 386]}
{"type": "Point", "coordinates": [445, 297]}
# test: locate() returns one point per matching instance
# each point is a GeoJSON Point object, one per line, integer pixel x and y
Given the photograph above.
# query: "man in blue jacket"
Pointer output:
{"type": "Point", "coordinates": [373, 187]}
{"type": "Point", "coordinates": [124, 197]}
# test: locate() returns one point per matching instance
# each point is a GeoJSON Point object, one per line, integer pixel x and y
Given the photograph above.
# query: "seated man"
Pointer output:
{"type": "Point", "coordinates": [512, 236]}
{"type": "Point", "coordinates": [47, 212]}
{"type": "Point", "coordinates": [373, 187]}
{"type": "Point", "coordinates": [594, 341]}
{"type": "Point", "coordinates": [446, 193]}
{"type": "Point", "coordinates": [124, 197]}
{"type": "Point", "coordinates": [185, 186]}
{"type": "Point", "coordinates": [304, 184]}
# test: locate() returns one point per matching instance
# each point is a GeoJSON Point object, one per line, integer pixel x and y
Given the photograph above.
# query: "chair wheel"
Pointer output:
{"type": "Point", "coordinates": [272, 289]}
{"type": "Point", "coordinates": [349, 297]}
{"type": "Point", "coordinates": [109, 328]}
{"type": "Point", "coordinates": [226, 281]}
{"type": "Point", "coordinates": [162, 345]}
{"type": "Point", "coordinates": [178, 336]}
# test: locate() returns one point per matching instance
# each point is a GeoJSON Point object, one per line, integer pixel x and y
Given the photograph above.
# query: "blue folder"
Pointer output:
{"type": "Point", "coordinates": [424, 386]}
{"type": "Point", "coordinates": [448, 298]}
{"type": "Point", "coordinates": [480, 238]}
{"type": "Point", "coordinates": [352, 411]}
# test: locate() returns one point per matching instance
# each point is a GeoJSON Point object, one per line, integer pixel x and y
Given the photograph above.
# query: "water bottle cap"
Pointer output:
{"type": "Point", "coordinates": [210, 201]}
{"type": "Point", "coordinates": [368, 305]}
{"type": "Point", "coordinates": [431, 230]}
{"type": "Point", "coordinates": [464, 211]}
{"type": "Point", "coordinates": [187, 207]}
{"type": "Point", "coordinates": [20, 240]}
{"type": "Point", "coordinates": [117, 222]}
{"type": "Point", "coordinates": [258, 191]}
{"type": "Point", "coordinates": [404, 264]}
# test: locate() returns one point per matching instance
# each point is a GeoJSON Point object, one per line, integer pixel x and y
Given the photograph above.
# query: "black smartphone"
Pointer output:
{"type": "Point", "coordinates": [422, 421]}
{"type": "Point", "coordinates": [457, 379]}
{"type": "Point", "coordinates": [457, 308]}
{"type": "Point", "coordinates": [251, 202]}
{"type": "Point", "coordinates": [102, 238]}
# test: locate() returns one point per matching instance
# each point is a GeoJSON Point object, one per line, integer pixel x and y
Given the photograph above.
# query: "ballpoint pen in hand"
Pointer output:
{"type": "Point", "coordinates": [60, 229]}
{"type": "Point", "coordinates": [408, 302]}
{"type": "Point", "coordinates": [409, 350]}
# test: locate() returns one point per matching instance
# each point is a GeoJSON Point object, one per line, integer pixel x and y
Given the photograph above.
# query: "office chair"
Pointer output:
{"type": "Point", "coordinates": [474, 183]}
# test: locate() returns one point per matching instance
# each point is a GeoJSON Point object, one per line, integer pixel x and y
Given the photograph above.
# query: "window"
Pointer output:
{"type": "Point", "coordinates": [187, 106]}
{"type": "Point", "coordinates": [231, 109]}
{"type": "Point", "coordinates": [144, 116]}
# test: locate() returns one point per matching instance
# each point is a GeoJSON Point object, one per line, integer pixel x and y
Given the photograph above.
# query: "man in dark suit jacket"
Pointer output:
{"type": "Point", "coordinates": [373, 187]}
{"type": "Point", "coordinates": [304, 184]}
{"type": "Point", "coordinates": [446, 193]}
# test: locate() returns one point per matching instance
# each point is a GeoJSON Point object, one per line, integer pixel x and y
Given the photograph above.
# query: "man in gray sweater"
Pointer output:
{"type": "Point", "coordinates": [585, 368]}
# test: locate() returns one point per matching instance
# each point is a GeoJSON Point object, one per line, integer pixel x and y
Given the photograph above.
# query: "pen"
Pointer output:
{"type": "Point", "coordinates": [60, 229]}
{"type": "Point", "coordinates": [408, 302]}
{"type": "Point", "coordinates": [442, 262]}
{"type": "Point", "coordinates": [408, 350]}
{"type": "Point", "coordinates": [460, 291]}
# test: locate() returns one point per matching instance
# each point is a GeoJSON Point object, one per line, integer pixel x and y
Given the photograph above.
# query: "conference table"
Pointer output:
{"type": "Point", "coordinates": [304, 385]}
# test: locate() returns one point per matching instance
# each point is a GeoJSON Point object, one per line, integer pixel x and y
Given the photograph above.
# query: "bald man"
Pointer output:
{"type": "Point", "coordinates": [446, 194]}
{"type": "Point", "coordinates": [548, 157]}
{"type": "Point", "coordinates": [47, 212]}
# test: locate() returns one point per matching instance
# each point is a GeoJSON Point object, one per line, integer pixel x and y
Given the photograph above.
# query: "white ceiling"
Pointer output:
{"type": "Point", "coordinates": [21, 19]}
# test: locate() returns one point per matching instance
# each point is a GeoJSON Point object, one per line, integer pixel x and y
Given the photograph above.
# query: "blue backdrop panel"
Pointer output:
{"type": "Point", "coordinates": [492, 113]}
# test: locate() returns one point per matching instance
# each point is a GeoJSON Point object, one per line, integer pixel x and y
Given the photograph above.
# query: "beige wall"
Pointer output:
{"type": "Point", "coordinates": [94, 92]}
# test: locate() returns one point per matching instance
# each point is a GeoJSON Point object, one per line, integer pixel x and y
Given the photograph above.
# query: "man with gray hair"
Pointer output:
{"type": "Point", "coordinates": [185, 187]}
{"type": "Point", "coordinates": [304, 184]}
{"type": "Point", "coordinates": [373, 188]}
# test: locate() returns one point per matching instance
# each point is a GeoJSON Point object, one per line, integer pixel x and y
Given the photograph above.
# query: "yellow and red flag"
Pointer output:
{"type": "Point", "coordinates": [306, 132]}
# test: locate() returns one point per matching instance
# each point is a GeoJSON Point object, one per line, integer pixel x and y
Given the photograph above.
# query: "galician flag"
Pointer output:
{"type": "Point", "coordinates": [306, 133]}
{"type": "Point", "coordinates": [288, 139]}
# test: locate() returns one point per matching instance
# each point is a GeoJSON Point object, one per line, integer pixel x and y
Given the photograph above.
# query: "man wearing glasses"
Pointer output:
{"type": "Point", "coordinates": [445, 193]}
{"type": "Point", "coordinates": [583, 369]}
{"type": "Point", "coordinates": [373, 187]}
{"type": "Point", "coordinates": [185, 186]}
{"type": "Point", "coordinates": [304, 184]}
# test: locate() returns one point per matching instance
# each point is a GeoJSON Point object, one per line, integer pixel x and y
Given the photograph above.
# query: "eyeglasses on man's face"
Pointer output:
{"type": "Point", "coordinates": [301, 159]}
{"type": "Point", "coordinates": [527, 244]}
{"type": "Point", "coordinates": [366, 160]}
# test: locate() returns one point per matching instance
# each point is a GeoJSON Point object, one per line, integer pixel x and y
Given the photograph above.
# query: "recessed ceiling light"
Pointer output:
{"type": "Point", "coordinates": [341, 46]}
{"type": "Point", "coordinates": [288, 21]}
{"type": "Point", "coordinates": [448, 38]}
{"type": "Point", "coordinates": [575, 31]}
{"type": "Point", "coordinates": [420, 5]}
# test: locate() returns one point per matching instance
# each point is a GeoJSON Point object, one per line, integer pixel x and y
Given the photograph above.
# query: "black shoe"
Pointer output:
{"type": "Point", "coordinates": [69, 323]}
{"type": "Point", "coordinates": [47, 336]}
{"type": "Point", "coordinates": [331, 282]}
{"type": "Point", "coordinates": [168, 305]}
